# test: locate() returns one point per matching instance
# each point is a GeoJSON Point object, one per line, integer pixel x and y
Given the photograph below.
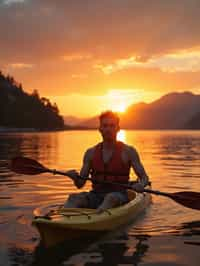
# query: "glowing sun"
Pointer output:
{"type": "Point", "coordinates": [121, 107]}
{"type": "Point", "coordinates": [118, 100]}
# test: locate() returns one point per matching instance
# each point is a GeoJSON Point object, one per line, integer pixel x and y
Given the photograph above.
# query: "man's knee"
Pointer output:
{"type": "Point", "coordinates": [73, 197]}
{"type": "Point", "coordinates": [76, 200]}
{"type": "Point", "coordinates": [112, 198]}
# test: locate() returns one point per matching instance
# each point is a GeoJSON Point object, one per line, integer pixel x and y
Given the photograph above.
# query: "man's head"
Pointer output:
{"type": "Point", "coordinates": [109, 125]}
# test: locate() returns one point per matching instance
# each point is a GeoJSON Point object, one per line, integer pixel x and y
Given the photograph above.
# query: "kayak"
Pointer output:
{"type": "Point", "coordinates": [64, 224]}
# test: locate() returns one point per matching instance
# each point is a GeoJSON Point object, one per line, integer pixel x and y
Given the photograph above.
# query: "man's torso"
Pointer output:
{"type": "Point", "coordinates": [107, 154]}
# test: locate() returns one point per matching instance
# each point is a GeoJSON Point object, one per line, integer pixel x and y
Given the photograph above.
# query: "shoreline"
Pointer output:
{"type": "Point", "coordinates": [35, 130]}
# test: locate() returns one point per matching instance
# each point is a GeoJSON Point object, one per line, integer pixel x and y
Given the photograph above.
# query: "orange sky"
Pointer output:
{"type": "Point", "coordinates": [89, 56]}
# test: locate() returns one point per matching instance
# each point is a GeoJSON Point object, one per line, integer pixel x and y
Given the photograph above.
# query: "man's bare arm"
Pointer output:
{"type": "Point", "coordinates": [85, 170]}
{"type": "Point", "coordinates": [138, 167]}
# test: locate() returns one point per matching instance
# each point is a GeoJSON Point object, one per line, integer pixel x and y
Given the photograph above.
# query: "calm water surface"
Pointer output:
{"type": "Point", "coordinates": [166, 234]}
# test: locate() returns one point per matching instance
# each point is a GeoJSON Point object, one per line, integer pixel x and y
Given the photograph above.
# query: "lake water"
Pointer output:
{"type": "Point", "coordinates": [166, 234]}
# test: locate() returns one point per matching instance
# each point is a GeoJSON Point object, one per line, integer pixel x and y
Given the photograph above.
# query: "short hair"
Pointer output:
{"type": "Point", "coordinates": [109, 114]}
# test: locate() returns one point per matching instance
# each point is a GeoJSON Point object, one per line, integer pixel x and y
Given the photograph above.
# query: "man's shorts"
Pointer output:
{"type": "Point", "coordinates": [96, 198]}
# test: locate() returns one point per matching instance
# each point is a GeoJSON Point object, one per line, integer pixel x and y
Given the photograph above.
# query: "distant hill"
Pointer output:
{"type": "Point", "coordinates": [194, 122]}
{"type": "Point", "coordinates": [19, 109]}
{"type": "Point", "coordinates": [171, 111]}
{"type": "Point", "coordinates": [73, 120]}
{"type": "Point", "coordinates": [90, 122]}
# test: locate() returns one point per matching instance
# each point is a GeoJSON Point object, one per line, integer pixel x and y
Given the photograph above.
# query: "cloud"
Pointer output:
{"type": "Point", "coordinates": [108, 29]}
{"type": "Point", "coordinates": [185, 61]}
{"type": "Point", "coordinates": [76, 57]}
{"type": "Point", "coordinates": [136, 42]}
{"type": "Point", "coordinates": [9, 2]}
{"type": "Point", "coordinates": [20, 65]}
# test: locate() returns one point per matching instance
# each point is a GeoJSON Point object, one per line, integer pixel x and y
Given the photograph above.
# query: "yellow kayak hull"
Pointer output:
{"type": "Point", "coordinates": [65, 223]}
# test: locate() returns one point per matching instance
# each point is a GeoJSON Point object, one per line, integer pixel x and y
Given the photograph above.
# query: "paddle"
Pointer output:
{"type": "Point", "coordinates": [27, 166]}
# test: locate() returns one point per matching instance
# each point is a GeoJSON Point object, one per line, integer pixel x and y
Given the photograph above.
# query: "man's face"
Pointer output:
{"type": "Point", "coordinates": [109, 128]}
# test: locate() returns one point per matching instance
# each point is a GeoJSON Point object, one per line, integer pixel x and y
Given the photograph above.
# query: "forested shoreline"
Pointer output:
{"type": "Point", "coordinates": [19, 109]}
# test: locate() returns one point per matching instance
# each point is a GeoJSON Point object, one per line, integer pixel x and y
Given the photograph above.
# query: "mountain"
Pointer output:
{"type": "Point", "coordinates": [171, 111]}
{"type": "Point", "coordinates": [194, 122]}
{"type": "Point", "coordinates": [73, 120]}
{"type": "Point", "coordinates": [19, 109]}
{"type": "Point", "coordinates": [90, 122]}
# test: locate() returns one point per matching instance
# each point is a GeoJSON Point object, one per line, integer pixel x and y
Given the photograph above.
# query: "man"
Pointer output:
{"type": "Point", "coordinates": [111, 161]}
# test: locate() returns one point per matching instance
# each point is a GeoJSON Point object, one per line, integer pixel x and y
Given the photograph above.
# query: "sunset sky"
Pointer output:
{"type": "Point", "coordinates": [92, 55]}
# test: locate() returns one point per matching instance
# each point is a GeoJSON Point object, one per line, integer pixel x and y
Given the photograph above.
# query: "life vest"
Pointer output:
{"type": "Point", "coordinates": [115, 170]}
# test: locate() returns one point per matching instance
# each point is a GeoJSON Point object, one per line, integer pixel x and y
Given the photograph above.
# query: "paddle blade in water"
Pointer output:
{"type": "Point", "coordinates": [189, 199]}
{"type": "Point", "coordinates": [27, 166]}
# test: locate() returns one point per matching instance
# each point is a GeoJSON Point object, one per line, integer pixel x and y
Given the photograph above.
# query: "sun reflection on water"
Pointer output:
{"type": "Point", "coordinates": [121, 136]}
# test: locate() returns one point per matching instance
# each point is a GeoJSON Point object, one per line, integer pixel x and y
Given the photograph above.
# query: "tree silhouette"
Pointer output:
{"type": "Point", "coordinates": [23, 110]}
